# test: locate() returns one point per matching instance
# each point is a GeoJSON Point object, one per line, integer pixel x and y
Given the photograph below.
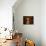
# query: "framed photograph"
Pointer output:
{"type": "Point", "coordinates": [28, 20]}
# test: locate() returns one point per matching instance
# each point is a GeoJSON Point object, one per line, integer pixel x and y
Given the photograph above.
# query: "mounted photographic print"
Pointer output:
{"type": "Point", "coordinates": [28, 19]}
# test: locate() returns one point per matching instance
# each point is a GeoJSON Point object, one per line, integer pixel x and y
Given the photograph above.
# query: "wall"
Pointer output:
{"type": "Point", "coordinates": [29, 8]}
{"type": "Point", "coordinates": [6, 18]}
{"type": "Point", "coordinates": [43, 22]}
